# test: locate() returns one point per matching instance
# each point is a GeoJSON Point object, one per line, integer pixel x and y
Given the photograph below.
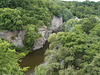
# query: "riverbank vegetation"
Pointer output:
{"type": "Point", "coordinates": [74, 51]}
{"type": "Point", "coordinates": [9, 59]}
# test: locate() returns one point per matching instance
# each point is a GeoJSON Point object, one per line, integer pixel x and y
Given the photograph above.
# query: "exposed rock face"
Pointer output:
{"type": "Point", "coordinates": [56, 23]}
{"type": "Point", "coordinates": [41, 41]}
{"type": "Point", "coordinates": [19, 39]}
{"type": "Point", "coordinates": [15, 37]}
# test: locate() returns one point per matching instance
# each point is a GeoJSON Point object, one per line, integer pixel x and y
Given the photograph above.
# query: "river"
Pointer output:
{"type": "Point", "coordinates": [34, 59]}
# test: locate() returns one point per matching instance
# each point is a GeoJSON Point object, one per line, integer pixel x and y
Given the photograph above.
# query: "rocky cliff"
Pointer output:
{"type": "Point", "coordinates": [17, 37]}
{"type": "Point", "coordinates": [56, 23]}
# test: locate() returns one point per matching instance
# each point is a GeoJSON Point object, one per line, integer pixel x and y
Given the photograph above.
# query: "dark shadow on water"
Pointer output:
{"type": "Point", "coordinates": [34, 59]}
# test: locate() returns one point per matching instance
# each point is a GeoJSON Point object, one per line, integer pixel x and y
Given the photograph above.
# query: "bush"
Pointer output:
{"type": "Point", "coordinates": [31, 36]}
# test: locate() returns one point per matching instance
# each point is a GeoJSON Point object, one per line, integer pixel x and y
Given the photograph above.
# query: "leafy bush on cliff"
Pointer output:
{"type": "Point", "coordinates": [31, 36]}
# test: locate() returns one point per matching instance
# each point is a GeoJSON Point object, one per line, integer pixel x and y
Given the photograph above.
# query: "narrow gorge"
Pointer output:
{"type": "Point", "coordinates": [34, 58]}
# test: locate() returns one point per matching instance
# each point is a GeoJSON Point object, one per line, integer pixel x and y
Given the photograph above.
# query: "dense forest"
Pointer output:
{"type": "Point", "coordinates": [73, 51]}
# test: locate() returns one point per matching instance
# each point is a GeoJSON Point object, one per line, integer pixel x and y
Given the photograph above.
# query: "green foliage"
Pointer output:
{"type": "Point", "coordinates": [96, 30]}
{"type": "Point", "coordinates": [75, 51]}
{"type": "Point", "coordinates": [40, 71]}
{"type": "Point", "coordinates": [4, 3]}
{"type": "Point", "coordinates": [8, 59]}
{"type": "Point", "coordinates": [52, 37]}
{"type": "Point", "coordinates": [66, 14]}
{"type": "Point", "coordinates": [87, 26]}
{"type": "Point", "coordinates": [10, 19]}
{"type": "Point", "coordinates": [93, 68]}
{"type": "Point", "coordinates": [70, 52]}
{"type": "Point", "coordinates": [31, 36]}
{"type": "Point", "coordinates": [82, 9]}
{"type": "Point", "coordinates": [69, 25]}
{"type": "Point", "coordinates": [25, 4]}
{"type": "Point", "coordinates": [40, 12]}
{"type": "Point", "coordinates": [69, 71]}
{"type": "Point", "coordinates": [54, 8]}
{"type": "Point", "coordinates": [17, 13]}
{"type": "Point", "coordinates": [42, 16]}
{"type": "Point", "coordinates": [78, 28]}
{"type": "Point", "coordinates": [88, 23]}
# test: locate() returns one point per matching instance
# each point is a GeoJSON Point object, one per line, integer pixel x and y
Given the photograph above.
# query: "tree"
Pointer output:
{"type": "Point", "coordinates": [4, 3]}
{"type": "Point", "coordinates": [69, 25]}
{"type": "Point", "coordinates": [69, 52]}
{"type": "Point", "coordinates": [88, 24]}
{"type": "Point", "coordinates": [66, 14]}
{"type": "Point", "coordinates": [10, 19]}
{"type": "Point", "coordinates": [25, 4]}
{"type": "Point", "coordinates": [8, 59]}
{"type": "Point", "coordinates": [31, 36]}
{"type": "Point", "coordinates": [40, 71]}
{"type": "Point", "coordinates": [93, 68]}
{"type": "Point", "coordinates": [96, 30]}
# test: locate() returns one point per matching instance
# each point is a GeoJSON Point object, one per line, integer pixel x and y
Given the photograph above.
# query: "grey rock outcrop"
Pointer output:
{"type": "Point", "coordinates": [18, 41]}
{"type": "Point", "coordinates": [15, 37]}
{"type": "Point", "coordinates": [56, 23]}
{"type": "Point", "coordinates": [41, 41]}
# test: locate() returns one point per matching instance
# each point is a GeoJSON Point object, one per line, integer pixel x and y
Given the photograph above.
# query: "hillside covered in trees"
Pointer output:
{"type": "Point", "coordinates": [73, 51]}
